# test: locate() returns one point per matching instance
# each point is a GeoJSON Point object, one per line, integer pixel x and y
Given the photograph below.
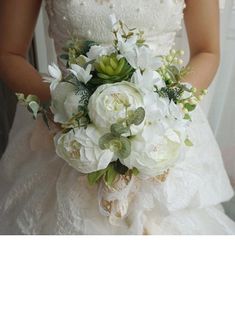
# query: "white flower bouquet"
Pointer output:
{"type": "Point", "coordinates": [123, 112]}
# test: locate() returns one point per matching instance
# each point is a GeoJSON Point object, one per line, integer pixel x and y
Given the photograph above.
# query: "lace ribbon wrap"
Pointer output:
{"type": "Point", "coordinates": [114, 200]}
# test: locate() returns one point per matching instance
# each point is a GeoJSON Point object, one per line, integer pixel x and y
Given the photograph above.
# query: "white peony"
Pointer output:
{"type": "Point", "coordinates": [152, 154]}
{"type": "Point", "coordinates": [80, 149]}
{"type": "Point", "coordinates": [111, 102]}
{"type": "Point", "coordinates": [65, 101]}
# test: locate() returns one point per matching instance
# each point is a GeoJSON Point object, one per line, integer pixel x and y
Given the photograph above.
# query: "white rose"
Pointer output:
{"type": "Point", "coordinates": [152, 154]}
{"type": "Point", "coordinates": [111, 102]}
{"type": "Point", "coordinates": [80, 149]}
{"type": "Point", "coordinates": [65, 102]}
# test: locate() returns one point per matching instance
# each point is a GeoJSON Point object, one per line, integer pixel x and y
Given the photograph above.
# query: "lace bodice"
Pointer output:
{"type": "Point", "coordinates": [89, 19]}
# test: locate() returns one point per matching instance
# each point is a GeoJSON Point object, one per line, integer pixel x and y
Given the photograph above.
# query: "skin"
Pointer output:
{"type": "Point", "coordinates": [19, 18]}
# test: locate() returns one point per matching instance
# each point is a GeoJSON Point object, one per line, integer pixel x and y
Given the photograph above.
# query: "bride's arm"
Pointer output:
{"type": "Point", "coordinates": [202, 24]}
{"type": "Point", "coordinates": [17, 23]}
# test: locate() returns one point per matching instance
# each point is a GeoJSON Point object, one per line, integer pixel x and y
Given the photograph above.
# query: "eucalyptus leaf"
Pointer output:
{"type": "Point", "coordinates": [105, 140]}
{"type": "Point", "coordinates": [125, 149]}
{"type": "Point", "coordinates": [136, 117]}
{"type": "Point", "coordinates": [139, 116]}
{"type": "Point", "coordinates": [118, 129]}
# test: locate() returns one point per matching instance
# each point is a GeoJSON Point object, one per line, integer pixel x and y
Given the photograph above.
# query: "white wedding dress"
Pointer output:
{"type": "Point", "coordinates": [41, 194]}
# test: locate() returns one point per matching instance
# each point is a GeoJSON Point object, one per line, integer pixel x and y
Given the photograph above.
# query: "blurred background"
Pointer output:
{"type": "Point", "coordinates": [219, 104]}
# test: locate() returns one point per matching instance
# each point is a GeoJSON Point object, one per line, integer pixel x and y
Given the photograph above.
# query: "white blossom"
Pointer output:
{"type": "Point", "coordinates": [82, 74]}
{"type": "Point", "coordinates": [80, 149]}
{"type": "Point", "coordinates": [56, 76]}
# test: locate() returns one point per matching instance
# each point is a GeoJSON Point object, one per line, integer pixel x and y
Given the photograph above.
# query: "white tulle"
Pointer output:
{"type": "Point", "coordinates": [41, 194]}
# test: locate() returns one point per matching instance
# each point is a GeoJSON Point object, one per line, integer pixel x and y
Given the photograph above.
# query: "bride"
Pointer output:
{"type": "Point", "coordinates": [41, 194]}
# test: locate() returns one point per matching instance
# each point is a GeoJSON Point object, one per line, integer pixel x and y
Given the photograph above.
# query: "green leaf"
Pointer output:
{"type": "Point", "coordinates": [111, 175]}
{"type": "Point", "coordinates": [64, 56]}
{"type": "Point", "coordinates": [119, 129]}
{"type": "Point", "coordinates": [139, 116]}
{"type": "Point", "coordinates": [136, 117]}
{"type": "Point", "coordinates": [105, 140]}
{"type": "Point", "coordinates": [135, 171]}
{"type": "Point", "coordinates": [125, 149]}
{"type": "Point", "coordinates": [187, 117]}
{"type": "Point", "coordinates": [31, 98]}
{"type": "Point", "coordinates": [189, 107]}
{"type": "Point", "coordinates": [95, 176]}
{"type": "Point", "coordinates": [188, 142]}
{"type": "Point", "coordinates": [45, 119]}
{"type": "Point", "coordinates": [34, 107]}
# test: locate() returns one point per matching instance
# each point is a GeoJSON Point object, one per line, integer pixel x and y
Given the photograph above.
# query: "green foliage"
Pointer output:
{"type": "Point", "coordinates": [110, 175]}
{"type": "Point", "coordinates": [187, 117]}
{"type": "Point", "coordinates": [95, 176]}
{"type": "Point", "coordinates": [34, 107]}
{"type": "Point", "coordinates": [188, 142]}
{"type": "Point", "coordinates": [110, 69]}
{"type": "Point", "coordinates": [74, 48]}
{"type": "Point", "coordinates": [136, 117]}
{"type": "Point", "coordinates": [189, 107]}
{"type": "Point", "coordinates": [120, 145]}
{"type": "Point", "coordinates": [172, 92]}
{"type": "Point", "coordinates": [135, 171]}
{"type": "Point", "coordinates": [119, 129]}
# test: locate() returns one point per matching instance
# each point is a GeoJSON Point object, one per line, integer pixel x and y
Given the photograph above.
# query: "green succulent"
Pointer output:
{"type": "Point", "coordinates": [110, 69]}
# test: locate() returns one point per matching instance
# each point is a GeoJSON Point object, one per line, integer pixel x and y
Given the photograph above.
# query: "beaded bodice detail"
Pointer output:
{"type": "Point", "coordinates": [90, 19]}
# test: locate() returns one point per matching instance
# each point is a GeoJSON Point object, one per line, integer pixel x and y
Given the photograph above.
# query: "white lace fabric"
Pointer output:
{"type": "Point", "coordinates": [41, 194]}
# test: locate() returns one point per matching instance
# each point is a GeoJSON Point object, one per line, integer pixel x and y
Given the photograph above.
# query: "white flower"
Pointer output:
{"type": "Point", "coordinates": [98, 50]}
{"type": "Point", "coordinates": [148, 80]}
{"type": "Point", "coordinates": [152, 154]}
{"type": "Point", "coordinates": [187, 94]}
{"type": "Point", "coordinates": [80, 149]}
{"type": "Point", "coordinates": [56, 76]}
{"type": "Point", "coordinates": [142, 57]}
{"type": "Point", "coordinates": [126, 46]}
{"type": "Point", "coordinates": [164, 115]}
{"type": "Point", "coordinates": [111, 102]}
{"type": "Point", "coordinates": [82, 74]}
{"type": "Point", "coordinates": [65, 102]}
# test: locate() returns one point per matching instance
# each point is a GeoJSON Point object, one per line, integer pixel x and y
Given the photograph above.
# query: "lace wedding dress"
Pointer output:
{"type": "Point", "coordinates": [41, 194]}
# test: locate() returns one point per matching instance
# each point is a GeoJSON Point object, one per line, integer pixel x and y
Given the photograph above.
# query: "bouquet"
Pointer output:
{"type": "Point", "coordinates": [122, 113]}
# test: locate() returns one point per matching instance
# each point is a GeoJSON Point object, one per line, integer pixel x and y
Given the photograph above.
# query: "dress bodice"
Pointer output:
{"type": "Point", "coordinates": [90, 19]}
